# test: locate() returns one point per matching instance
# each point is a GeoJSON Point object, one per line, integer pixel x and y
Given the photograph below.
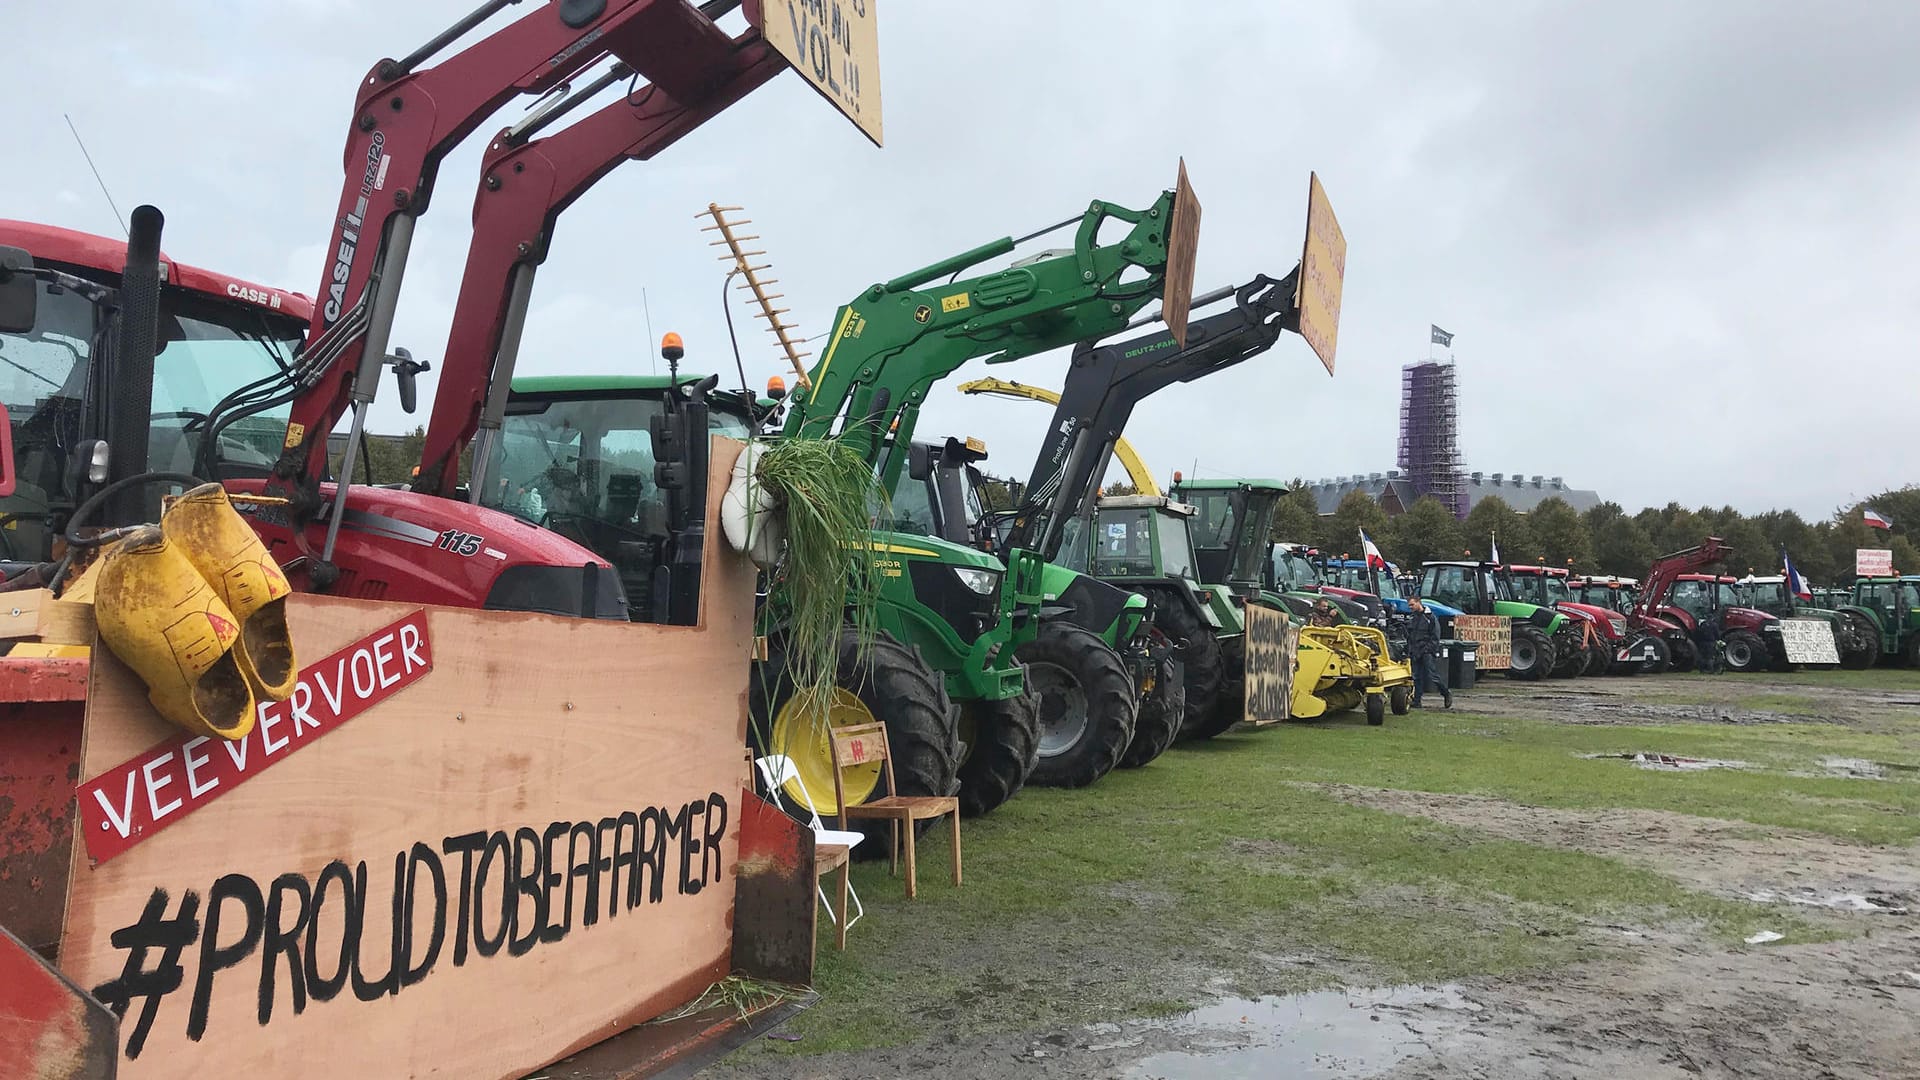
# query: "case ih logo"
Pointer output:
{"type": "Point", "coordinates": [350, 228]}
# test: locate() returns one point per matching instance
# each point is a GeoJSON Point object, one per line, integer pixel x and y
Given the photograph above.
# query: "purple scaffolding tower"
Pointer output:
{"type": "Point", "coordinates": [1429, 426]}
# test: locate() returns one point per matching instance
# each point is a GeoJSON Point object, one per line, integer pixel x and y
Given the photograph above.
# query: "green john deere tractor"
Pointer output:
{"type": "Point", "coordinates": [954, 620]}
{"type": "Point", "coordinates": [1541, 635]}
{"type": "Point", "coordinates": [1092, 649]}
{"type": "Point", "coordinates": [1892, 606]}
{"type": "Point", "coordinates": [1856, 636]}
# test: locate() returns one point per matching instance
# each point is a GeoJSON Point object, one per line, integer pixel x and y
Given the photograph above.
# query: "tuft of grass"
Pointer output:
{"type": "Point", "coordinates": [823, 580]}
{"type": "Point", "coordinates": [741, 994]}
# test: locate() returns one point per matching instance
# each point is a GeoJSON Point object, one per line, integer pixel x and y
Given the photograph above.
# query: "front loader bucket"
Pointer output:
{"type": "Point", "coordinates": [421, 843]}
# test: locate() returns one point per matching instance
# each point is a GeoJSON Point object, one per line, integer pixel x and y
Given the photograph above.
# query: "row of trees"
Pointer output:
{"type": "Point", "coordinates": [1606, 539]}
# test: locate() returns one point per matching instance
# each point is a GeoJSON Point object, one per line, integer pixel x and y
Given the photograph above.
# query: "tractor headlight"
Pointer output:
{"type": "Point", "coordinates": [1771, 628]}
{"type": "Point", "coordinates": [1619, 627]}
{"type": "Point", "coordinates": [983, 582]}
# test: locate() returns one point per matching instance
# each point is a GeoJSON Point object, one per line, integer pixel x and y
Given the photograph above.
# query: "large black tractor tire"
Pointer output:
{"type": "Point", "coordinates": [1231, 706]}
{"type": "Point", "coordinates": [1162, 712]}
{"type": "Point", "coordinates": [1659, 658]}
{"type": "Point", "coordinates": [1599, 658]}
{"type": "Point", "coordinates": [1199, 655]}
{"type": "Point", "coordinates": [1569, 659]}
{"type": "Point", "coordinates": [1912, 653]}
{"type": "Point", "coordinates": [1532, 656]}
{"type": "Point", "coordinates": [1682, 654]}
{"type": "Point", "coordinates": [1745, 652]}
{"type": "Point", "coordinates": [1376, 709]}
{"type": "Point", "coordinates": [894, 686]}
{"type": "Point", "coordinates": [1088, 705]}
{"type": "Point", "coordinates": [1002, 745]}
{"type": "Point", "coordinates": [1865, 638]}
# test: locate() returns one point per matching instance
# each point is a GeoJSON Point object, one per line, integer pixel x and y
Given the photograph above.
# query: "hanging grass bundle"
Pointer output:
{"type": "Point", "coordinates": [826, 577]}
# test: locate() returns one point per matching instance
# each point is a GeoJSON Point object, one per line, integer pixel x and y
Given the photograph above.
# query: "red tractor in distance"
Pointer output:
{"type": "Point", "coordinates": [1613, 647]}
{"type": "Point", "coordinates": [1680, 593]}
{"type": "Point", "coordinates": [1670, 647]}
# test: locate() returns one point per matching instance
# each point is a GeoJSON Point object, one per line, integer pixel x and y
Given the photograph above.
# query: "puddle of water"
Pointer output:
{"type": "Point", "coordinates": [1870, 903]}
{"type": "Point", "coordinates": [1325, 1034]}
{"type": "Point", "coordinates": [1668, 761]}
{"type": "Point", "coordinates": [1862, 769]}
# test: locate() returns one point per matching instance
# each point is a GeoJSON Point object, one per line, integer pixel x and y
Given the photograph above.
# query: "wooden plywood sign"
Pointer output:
{"type": "Point", "coordinates": [1323, 275]}
{"type": "Point", "coordinates": [835, 46]}
{"type": "Point", "coordinates": [526, 849]}
{"type": "Point", "coordinates": [1272, 640]}
{"type": "Point", "coordinates": [1873, 562]}
{"type": "Point", "coordinates": [1809, 641]}
{"type": "Point", "coordinates": [1495, 636]}
{"type": "Point", "coordinates": [1183, 252]}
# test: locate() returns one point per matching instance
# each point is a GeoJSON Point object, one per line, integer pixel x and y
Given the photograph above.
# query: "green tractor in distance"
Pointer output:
{"type": "Point", "coordinates": [1541, 636]}
{"type": "Point", "coordinates": [1143, 543]}
{"type": "Point", "coordinates": [1856, 636]}
{"type": "Point", "coordinates": [1892, 605]}
{"type": "Point", "coordinates": [1091, 663]}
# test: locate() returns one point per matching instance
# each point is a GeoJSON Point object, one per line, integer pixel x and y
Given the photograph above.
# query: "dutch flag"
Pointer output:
{"type": "Point", "coordinates": [1494, 558]}
{"type": "Point", "coordinates": [1796, 584]}
{"type": "Point", "coordinates": [1875, 518]}
{"type": "Point", "coordinates": [1375, 560]}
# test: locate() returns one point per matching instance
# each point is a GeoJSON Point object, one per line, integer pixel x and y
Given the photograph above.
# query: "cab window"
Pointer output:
{"type": "Point", "coordinates": [1452, 586]}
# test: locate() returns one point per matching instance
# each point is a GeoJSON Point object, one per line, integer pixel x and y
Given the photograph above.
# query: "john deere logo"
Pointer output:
{"type": "Point", "coordinates": [922, 313]}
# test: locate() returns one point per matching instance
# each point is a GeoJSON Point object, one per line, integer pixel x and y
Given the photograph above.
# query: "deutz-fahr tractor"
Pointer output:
{"type": "Point", "coordinates": [1541, 636]}
{"type": "Point", "coordinates": [1669, 647]}
{"type": "Point", "coordinates": [1893, 606]}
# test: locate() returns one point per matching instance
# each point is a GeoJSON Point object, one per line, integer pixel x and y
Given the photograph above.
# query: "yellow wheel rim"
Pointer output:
{"type": "Point", "coordinates": [807, 746]}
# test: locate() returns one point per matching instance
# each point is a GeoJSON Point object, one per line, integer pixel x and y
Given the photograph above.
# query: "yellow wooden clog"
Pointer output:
{"type": "Point", "coordinates": [166, 623]}
{"type": "Point", "coordinates": [206, 528]}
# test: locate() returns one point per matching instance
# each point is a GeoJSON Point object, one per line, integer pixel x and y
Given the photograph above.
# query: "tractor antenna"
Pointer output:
{"type": "Point", "coordinates": [96, 175]}
{"type": "Point", "coordinates": [743, 265]}
{"type": "Point", "coordinates": [648, 311]}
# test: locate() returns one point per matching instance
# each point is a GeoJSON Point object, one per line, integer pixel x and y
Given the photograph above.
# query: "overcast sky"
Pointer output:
{"type": "Point", "coordinates": [1678, 242]}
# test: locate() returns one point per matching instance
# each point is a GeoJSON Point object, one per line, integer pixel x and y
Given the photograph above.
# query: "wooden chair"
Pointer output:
{"type": "Point", "coordinates": [861, 744]}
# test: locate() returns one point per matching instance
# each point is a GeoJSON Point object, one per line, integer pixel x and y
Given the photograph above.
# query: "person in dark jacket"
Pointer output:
{"type": "Point", "coordinates": [1423, 648]}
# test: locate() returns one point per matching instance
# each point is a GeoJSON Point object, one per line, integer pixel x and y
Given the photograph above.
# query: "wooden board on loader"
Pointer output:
{"type": "Point", "coordinates": [520, 852]}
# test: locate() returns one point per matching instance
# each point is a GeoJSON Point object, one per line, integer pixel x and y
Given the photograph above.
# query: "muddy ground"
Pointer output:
{"type": "Point", "coordinates": [1636, 1001]}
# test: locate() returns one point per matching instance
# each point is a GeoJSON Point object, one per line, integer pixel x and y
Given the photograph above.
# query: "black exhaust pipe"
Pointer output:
{"type": "Point", "coordinates": [127, 377]}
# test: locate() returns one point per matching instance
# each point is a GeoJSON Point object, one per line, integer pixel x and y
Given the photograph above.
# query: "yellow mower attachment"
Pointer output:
{"type": "Point", "coordinates": [1337, 668]}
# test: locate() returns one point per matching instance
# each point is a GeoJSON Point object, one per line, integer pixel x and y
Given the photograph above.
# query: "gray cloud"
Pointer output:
{"type": "Point", "coordinates": [1675, 240]}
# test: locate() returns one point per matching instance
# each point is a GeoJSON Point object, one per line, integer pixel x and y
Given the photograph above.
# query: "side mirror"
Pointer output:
{"type": "Point", "coordinates": [405, 368]}
{"type": "Point", "coordinates": [919, 461]}
{"type": "Point", "coordinates": [7, 478]}
{"type": "Point", "coordinates": [19, 292]}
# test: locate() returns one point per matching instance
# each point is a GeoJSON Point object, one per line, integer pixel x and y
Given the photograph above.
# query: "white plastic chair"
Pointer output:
{"type": "Point", "coordinates": [778, 770]}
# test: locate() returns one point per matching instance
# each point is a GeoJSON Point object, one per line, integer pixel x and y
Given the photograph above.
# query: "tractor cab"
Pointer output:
{"type": "Point", "coordinates": [61, 387]}
{"type": "Point", "coordinates": [1752, 637]}
{"type": "Point", "coordinates": [578, 455]}
{"type": "Point", "coordinates": [1232, 528]}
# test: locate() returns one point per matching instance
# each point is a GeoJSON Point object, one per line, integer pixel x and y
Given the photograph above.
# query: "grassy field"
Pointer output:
{"type": "Point", "coordinates": [1221, 868]}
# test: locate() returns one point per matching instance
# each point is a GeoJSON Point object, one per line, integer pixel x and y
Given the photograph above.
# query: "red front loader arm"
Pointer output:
{"type": "Point", "coordinates": [406, 118]}
{"type": "Point", "coordinates": [1667, 568]}
{"type": "Point", "coordinates": [524, 187]}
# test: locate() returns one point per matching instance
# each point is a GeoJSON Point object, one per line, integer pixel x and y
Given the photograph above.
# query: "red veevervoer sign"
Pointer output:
{"type": "Point", "coordinates": [131, 801]}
